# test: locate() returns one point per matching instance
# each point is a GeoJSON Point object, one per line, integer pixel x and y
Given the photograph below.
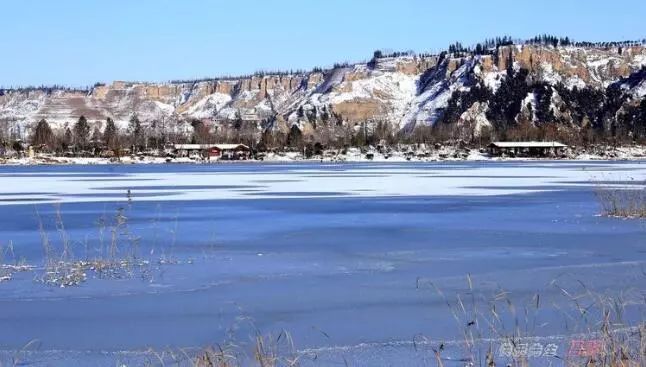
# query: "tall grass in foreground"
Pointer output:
{"type": "Point", "coordinates": [113, 254]}
{"type": "Point", "coordinates": [486, 323]}
{"type": "Point", "coordinates": [10, 264]}
{"type": "Point", "coordinates": [269, 351]}
{"type": "Point", "coordinates": [117, 255]}
{"type": "Point", "coordinates": [622, 201]}
{"type": "Point", "coordinates": [587, 316]}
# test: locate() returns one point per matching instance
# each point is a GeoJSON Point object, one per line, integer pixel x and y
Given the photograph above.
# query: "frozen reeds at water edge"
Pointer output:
{"type": "Point", "coordinates": [624, 201]}
{"type": "Point", "coordinates": [113, 254]}
{"type": "Point", "coordinates": [496, 328]}
{"type": "Point", "coordinates": [9, 264]}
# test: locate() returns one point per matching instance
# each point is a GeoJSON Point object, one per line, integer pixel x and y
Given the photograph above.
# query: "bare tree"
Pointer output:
{"type": "Point", "coordinates": [201, 133]}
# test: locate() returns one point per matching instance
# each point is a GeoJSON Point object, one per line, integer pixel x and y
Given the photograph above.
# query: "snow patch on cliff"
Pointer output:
{"type": "Point", "coordinates": [209, 106]}
{"type": "Point", "coordinates": [574, 81]}
{"type": "Point", "coordinates": [640, 90]}
{"type": "Point", "coordinates": [493, 79]}
{"type": "Point", "coordinates": [475, 117]}
{"type": "Point", "coordinates": [21, 108]}
{"type": "Point", "coordinates": [546, 73]}
{"type": "Point", "coordinates": [529, 100]}
{"type": "Point", "coordinates": [428, 107]}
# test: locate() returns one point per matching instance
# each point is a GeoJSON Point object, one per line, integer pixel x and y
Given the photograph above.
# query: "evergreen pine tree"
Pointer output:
{"type": "Point", "coordinates": [110, 134]}
{"type": "Point", "coordinates": [295, 137]}
{"type": "Point", "coordinates": [96, 135]}
{"type": "Point", "coordinates": [134, 129]}
{"type": "Point", "coordinates": [68, 138]}
{"type": "Point", "coordinates": [81, 132]}
{"type": "Point", "coordinates": [544, 111]}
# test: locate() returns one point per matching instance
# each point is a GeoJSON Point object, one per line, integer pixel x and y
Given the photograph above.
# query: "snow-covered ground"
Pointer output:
{"type": "Point", "coordinates": [351, 155]}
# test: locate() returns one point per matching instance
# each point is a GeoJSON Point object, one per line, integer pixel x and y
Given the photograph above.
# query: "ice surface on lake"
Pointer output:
{"type": "Point", "coordinates": [345, 257]}
{"type": "Point", "coordinates": [299, 181]}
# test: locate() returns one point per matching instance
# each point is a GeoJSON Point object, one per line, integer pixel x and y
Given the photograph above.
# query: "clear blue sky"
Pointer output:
{"type": "Point", "coordinates": [78, 42]}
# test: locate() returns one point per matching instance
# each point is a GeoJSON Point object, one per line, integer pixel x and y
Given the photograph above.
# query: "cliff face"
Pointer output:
{"type": "Point", "coordinates": [404, 91]}
{"type": "Point", "coordinates": [575, 66]}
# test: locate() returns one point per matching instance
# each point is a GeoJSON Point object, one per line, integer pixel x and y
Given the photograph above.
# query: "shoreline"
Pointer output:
{"type": "Point", "coordinates": [105, 162]}
{"type": "Point", "coordinates": [297, 158]}
{"type": "Point", "coordinates": [449, 153]}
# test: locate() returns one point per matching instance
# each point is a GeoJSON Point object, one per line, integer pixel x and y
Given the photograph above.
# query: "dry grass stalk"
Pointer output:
{"type": "Point", "coordinates": [621, 201]}
{"type": "Point", "coordinates": [590, 316]}
{"type": "Point", "coordinates": [63, 270]}
{"type": "Point", "coordinates": [7, 270]}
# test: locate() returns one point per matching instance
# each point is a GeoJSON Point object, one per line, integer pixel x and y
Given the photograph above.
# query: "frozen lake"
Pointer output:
{"type": "Point", "coordinates": [346, 257]}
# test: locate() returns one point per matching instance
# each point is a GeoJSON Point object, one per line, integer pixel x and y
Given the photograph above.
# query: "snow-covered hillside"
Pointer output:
{"type": "Point", "coordinates": [405, 91]}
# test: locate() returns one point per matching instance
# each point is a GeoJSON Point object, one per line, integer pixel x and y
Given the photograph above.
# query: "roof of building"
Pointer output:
{"type": "Point", "coordinates": [209, 146]}
{"type": "Point", "coordinates": [192, 146]}
{"type": "Point", "coordinates": [527, 144]}
{"type": "Point", "coordinates": [230, 146]}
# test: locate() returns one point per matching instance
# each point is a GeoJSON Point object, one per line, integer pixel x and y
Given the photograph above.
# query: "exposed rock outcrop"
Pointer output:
{"type": "Point", "coordinates": [404, 91]}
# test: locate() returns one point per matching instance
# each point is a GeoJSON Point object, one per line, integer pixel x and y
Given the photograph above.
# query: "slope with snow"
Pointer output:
{"type": "Point", "coordinates": [405, 91]}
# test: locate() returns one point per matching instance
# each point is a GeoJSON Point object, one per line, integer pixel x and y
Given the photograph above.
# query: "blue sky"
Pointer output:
{"type": "Point", "coordinates": [79, 42]}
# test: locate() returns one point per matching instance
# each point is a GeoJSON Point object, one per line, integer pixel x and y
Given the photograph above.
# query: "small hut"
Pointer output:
{"type": "Point", "coordinates": [533, 149]}
{"type": "Point", "coordinates": [215, 151]}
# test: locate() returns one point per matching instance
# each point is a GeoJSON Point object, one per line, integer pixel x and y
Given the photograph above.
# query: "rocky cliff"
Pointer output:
{"type": "Point", "coordinates": [405, 91]}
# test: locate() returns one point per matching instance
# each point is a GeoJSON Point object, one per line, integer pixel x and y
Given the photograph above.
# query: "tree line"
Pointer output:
{"type": "Point", "coordinates": [82, 139]}
{"type": "Point", "coordinates": [583, 116]}
{"type": "Point", "coordinates": [85, 139]}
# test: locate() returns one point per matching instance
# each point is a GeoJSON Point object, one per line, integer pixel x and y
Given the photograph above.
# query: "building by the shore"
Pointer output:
{"type": "Point", "coordinates": [535, 149]}
{"type": "Point", "coordinates": [213, 151]}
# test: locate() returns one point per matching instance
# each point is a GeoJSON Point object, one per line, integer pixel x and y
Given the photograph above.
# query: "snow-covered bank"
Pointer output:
{"type": "Point", "coordinates": [448, 153]}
